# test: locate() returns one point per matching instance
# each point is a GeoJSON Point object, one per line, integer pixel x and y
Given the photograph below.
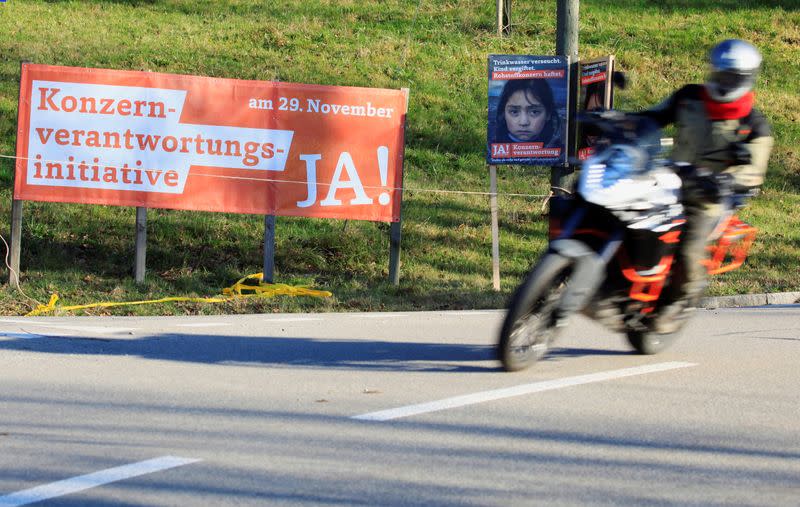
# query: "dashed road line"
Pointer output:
{"type": "Point", "coordinates": [291, 319]}
{"type": "Point", "coordinates": [19, 336]}
{"type": "Point", "coordinates": [21, 321]}
{"type": "Point", "coordinates": [475, 313]}
{"type": "Point", "coordinates": [379, 315]}
{"type": "Point", "coordinates": [88, 481]}
{"type": "Point", "coordinates": [83, 329]}
{"type": "Point", "coordinates": [91, 329]}
{"type": "Point", "coordinates": [205, 324]}
{"type": "Point", "coordinates": [498, 394]}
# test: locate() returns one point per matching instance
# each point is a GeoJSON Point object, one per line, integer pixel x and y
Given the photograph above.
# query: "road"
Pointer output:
{"type": "Point", "coordinates": [395, 409]}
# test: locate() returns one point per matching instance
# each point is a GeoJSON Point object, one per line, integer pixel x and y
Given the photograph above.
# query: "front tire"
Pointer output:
{"type": "Point", "coordinates": [530, 324]}
{"type": "Point", "coordinates": [649, 343]}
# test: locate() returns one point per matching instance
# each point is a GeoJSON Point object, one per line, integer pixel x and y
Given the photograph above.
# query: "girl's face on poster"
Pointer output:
{"type": "Point", "coordinates": [525, 116]}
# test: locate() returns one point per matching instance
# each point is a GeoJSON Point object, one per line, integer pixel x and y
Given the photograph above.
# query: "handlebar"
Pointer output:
{"type": "Point", "coordinates": [727, 191]}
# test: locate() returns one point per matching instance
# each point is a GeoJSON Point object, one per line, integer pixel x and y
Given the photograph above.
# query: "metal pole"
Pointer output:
{"type": "Point", "coordinates": [394, 252]}
{"type": "Point", "coordinates": [500, 17]}
{"type": "Point", "coordinates": [16, 206]}
{"type": "Point", "coordinates": [493, 208]}
{"type": "Point", "coordinates": [16, 242]}
{"type": "Point", "coordinates": [503, 17]}
{"type": "Point", "coordinates": [395, 231]}
{"type": "Point", "coordinates": [269, 249]}
{"type": "Point", "coordinates": [567, 45]}
{"type": "Point", "coordinates": [567, 28]}
{"type": "Point", "coordinates": [141, 244]}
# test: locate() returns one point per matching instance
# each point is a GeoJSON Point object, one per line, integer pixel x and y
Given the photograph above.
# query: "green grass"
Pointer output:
{"type": "Point", "coordinates": [437, 49]}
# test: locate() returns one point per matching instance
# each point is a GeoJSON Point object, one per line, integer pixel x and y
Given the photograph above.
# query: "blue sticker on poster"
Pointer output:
{"type": "Point", "coordinates": [527, 110]}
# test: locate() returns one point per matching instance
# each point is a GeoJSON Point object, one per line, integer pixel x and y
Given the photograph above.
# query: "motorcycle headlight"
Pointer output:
{"type": "Point", "coordinates": [626, 161]}
{"type": "Point", "coordinates": [605, 176]}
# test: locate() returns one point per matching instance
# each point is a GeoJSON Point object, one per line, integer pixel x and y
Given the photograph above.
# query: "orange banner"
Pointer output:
{"type": "Point", "coordinates": [155, 140]}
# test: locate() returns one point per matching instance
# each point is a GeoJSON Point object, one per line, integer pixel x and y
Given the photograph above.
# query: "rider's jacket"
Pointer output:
{"type": "Point", "coordinates": [708, 138]}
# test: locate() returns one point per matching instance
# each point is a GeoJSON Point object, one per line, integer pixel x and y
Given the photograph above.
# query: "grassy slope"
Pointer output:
{"type": "Point", "coordinates": [437, 49]}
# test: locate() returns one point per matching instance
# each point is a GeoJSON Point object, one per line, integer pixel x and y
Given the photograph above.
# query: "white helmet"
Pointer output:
{"type": "Point", "coordinates": [734, 67]}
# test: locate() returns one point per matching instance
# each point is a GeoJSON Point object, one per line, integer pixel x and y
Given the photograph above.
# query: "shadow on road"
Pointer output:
{"type": "Point", "coordinates": [288, 352]}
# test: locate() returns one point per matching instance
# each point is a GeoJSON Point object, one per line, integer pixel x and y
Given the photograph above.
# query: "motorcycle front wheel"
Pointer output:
{"type": "Point", "coordinates": [648, 342]}
{"type": "Point", "coordinates": [530, 324]}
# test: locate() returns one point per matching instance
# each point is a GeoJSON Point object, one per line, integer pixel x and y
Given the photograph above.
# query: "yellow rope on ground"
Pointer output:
{"type": "Point", "coordinates": [238, 290]}
{"type": "Point", "coordinates": [270, 289]}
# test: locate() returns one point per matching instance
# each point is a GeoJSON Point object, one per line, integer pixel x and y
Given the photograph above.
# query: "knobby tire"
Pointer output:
{"type": "Point", "coordinates": [530, 324]}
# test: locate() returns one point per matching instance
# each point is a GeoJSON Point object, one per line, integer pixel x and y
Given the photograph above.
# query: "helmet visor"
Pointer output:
{"type": "Point", "coordinates": [728, 81]}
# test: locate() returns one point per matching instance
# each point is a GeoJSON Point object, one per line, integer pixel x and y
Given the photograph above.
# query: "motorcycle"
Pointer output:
{"type": "Point", "coordinates": [611, 254]}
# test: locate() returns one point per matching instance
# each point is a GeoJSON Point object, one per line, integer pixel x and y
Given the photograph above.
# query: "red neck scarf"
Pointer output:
{"type": "Point", "coordinates": [739, 108]}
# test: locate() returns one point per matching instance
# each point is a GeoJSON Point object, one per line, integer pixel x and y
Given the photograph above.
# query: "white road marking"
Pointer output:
{"type": "Point", "coordinates": [20, 321]}
{"type": "Point", "coordinates": [83, 329]}
{"type": "Point", "coordinates": [19, 336]}
{"type": "Point", "coordinates": [88, 481]}
{"type": "Point", "coordinates": [475, 313]}
{"type": "Point", "coordinates": [206, 324]}
{"type": "Point", "coordinates": [91, 329]}
{"type": "Point", "coordinates": [380, 315]}
{"type": "Point", "coordinates": [295, 319]}
{"type": "Point", "coordinates": [497, 394]}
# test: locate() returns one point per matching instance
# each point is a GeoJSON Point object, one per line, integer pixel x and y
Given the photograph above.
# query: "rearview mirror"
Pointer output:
{"type": "Point", "coordinates": [620, 79]}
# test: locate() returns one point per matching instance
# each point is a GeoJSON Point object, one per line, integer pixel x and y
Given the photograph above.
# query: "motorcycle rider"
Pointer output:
{"type": "Point", "coordinates": [720, 133]}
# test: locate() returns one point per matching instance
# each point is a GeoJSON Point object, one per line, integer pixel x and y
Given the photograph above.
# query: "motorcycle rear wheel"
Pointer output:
{"type": "Point", "coordinates": [530, 324]}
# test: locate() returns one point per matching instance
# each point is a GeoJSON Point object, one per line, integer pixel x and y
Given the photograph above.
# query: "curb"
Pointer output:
{"type": "Point", "coordinates": [745, 300]}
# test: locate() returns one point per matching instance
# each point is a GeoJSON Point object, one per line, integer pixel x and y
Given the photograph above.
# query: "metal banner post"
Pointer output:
{"type": "Point", "coordinates": [495, 227]}
{"type": "Point", "coordinates": [16, 211]}
{"type": "Point", "coordinates": [269, 249]}
{"type": "Point", "coordinates": [141, 244]}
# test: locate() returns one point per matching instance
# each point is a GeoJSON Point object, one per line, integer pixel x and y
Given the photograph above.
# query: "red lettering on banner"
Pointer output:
{"type": "Point", "coordinates": [523, 150]}
{"type": "Point", "coordinates": [47, 99]}
{"type": "Point", "coordinates": [585, 153]}
{"type": "Point", "coordinates": [150, 176]}
{"type": "Point", "coordinates": [594, 78]}
{"type": "Point", "coordinates": [146, 141]}
{"type": "Point", "coordinates": [69, 104]}
{"type": "Point", "coordinates": [77, 137]}
{"type": "Point", "coordinates": [42, 137]}
{"type": "Point", "coordinates": [106, 109]}
{"type": "Point", "coordinates": [502, 75]}
{"type": "Point", "coordinates": [93, 139]}
{"type": "Point", "coordinates": [124, 107]}
{"type": "Point", "coordinates": [62, 137]}
{"type": "Point", "coordinates": [171, 178]}
{"type": "Point", "coordinates": [88, 105]}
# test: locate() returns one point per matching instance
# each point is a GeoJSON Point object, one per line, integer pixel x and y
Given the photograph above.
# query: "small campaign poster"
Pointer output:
{"type": "Point", "coordinates": [596, 92]}
{"type": "Point", "coordinates": [528, 98]}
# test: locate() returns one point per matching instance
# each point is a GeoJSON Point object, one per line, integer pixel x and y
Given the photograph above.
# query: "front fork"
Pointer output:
{"type": "Point", "coordinates": [589, 266]}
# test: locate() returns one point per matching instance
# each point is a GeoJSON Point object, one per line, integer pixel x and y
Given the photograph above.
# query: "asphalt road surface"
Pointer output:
{"type": "Point", "coordinates": [395, 409]}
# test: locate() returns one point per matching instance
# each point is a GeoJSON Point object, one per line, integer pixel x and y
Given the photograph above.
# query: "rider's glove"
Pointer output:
{"type": "Point", "coordinates": [714, 186]}
{"type": "Point", "coordinates": [725, 184]}
{"type": "Point", "coordinates": [741, 154]}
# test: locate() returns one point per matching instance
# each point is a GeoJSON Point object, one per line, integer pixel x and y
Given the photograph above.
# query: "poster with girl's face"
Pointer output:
{"type": "Point", "coordinates": [528, 98]}
{"type": "Point", "coordinates": [596, 92]}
